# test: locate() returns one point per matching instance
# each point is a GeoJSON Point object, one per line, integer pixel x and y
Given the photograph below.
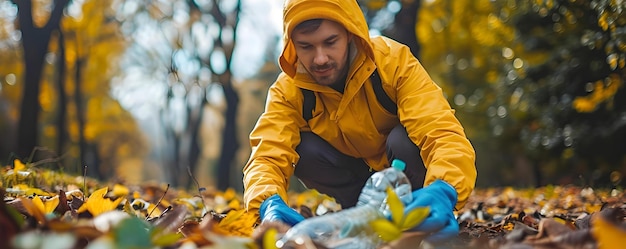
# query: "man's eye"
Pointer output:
{"type": "Point", "coordinates": [306, 47]}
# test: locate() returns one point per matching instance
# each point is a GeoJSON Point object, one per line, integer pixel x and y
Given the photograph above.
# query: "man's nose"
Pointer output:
{"type": "Point", "coordinates": [320, 57]}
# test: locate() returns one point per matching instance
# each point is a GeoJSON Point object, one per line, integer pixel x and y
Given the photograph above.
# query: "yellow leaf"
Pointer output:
{"type": "Point", "coordinates": [231, 217]}
{"type": "Point", "coordinates": [22, 187]}
{"type": "Point", "coordinates": [51, 204]}
{"type": "Point", "coordinates": [97, 204]}
{"type": "Point", "coordinates": [36, 191]}
{"type": "Point", "coordinates": [385, 229]}
{"type": "Point", "coordinates": [128, 208]}
{"type": "Point", "coordinates": [414, 218]}
{"type": "Point", "coordinates": [31, 191]}
{"type": "Point", "coordinates": [120, 190]}
{"type": "Point", "coordinates": [236, 222]}
{"type": "Point", "coordinates": [230, 194]}
{"type": "Point", "coordinates": [608, 235]}
{"type": "Point", "coordinates": [32, 209]}
{"type": "Point", "coordinates": [39, 204]}
{"type": "Point", "coordinates": [154, 210]}
{"type": "Point", "coordinates": [18, 165]}
{"type": "Point", "coordinates": [269, 239]}
{"type": "Point", "coordinates": [395, 205]}
{"type": "Point", "coordinates": [234, 204]}
{"type": "Point", "coordinates": [165, 240]}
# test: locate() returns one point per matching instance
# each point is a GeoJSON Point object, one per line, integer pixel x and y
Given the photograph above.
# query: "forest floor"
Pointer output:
{"type": "Point", "coordinates": [48, 209]}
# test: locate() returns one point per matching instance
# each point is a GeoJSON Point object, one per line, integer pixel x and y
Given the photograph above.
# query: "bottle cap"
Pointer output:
{"type": "Point", "coordinates": [398, 164]}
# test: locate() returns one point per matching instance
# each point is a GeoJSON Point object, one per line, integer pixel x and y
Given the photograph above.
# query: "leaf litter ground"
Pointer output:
{"type": "Point", "coordinates": [48, 209]}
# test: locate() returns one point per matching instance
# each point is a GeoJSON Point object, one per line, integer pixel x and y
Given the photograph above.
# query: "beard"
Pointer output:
{"type": "Point", "coordinates": [329, 79]}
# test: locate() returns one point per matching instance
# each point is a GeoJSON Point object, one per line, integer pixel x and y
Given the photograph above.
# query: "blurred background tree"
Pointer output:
{"type": "Point", "coordinates": [546, 78]}
{"type": "Point", "coordinates": [169, 90]}
{"type": "Point", "coordinates": [57, 100]}
{"type": "Point", "coordinates": [565, 84]}
{"type": "Point", "coordinates": [190, 45]}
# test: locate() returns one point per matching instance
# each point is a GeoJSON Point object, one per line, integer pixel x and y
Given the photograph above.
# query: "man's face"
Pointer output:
{"type": "Point", "coordinates": [324, 51]}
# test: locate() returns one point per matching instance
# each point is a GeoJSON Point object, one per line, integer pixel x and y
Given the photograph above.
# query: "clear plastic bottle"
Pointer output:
{"type": "Point", "coordinates": [346, 229]}
{"type": "Point", "coordinates": [349, 228]}
{"type": "Point", "coordinates": [375, 190]}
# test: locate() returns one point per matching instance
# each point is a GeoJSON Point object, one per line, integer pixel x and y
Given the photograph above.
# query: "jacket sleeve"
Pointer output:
{"type": "Point", "coordinates": [273, 141]}
{"type": "Point", "coordinates": [432, 125]}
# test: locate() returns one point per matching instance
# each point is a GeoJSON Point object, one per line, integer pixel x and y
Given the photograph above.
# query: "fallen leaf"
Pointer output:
{"type": "Point", "coordinates": [120, 190]}
{"type": "Point", "coordinates": [97, 204]}
{"type": "Point", "coordinates": [33, 210]}
{"type": "Point", "coordinates": [395, 206]}
{"type": "Point", "coordinates": [386, 229]}
{"type": "Point", "coordinates": [132, 233]}
{"type": "Point", "coordinates": [608, 235]}
{"type": "Point", "coordinates": [171, 221]}
{"type": "Point", "coordinates": [48, 206]}
{"type": "Point", "coordinates": [18, 165]}
{"type": "Point", "coordinates": [551, 228]}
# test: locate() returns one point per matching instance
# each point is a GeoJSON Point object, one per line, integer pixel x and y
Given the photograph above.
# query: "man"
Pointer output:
{"type": "Point", "coordinates": [348, 134]}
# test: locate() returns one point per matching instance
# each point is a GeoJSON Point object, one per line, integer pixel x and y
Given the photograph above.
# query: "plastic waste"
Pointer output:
{"type": "Point", "coordinates": [375, 190]}
{"type": "Point", "coordinates": [349, 228]}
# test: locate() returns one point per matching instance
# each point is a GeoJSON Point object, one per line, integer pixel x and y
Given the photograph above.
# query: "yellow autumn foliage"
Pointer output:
{"type": "Point", "coordinates": [607, 234]}
{"type": "Point", "coordinates": [97, 203]}
{"type": "Point", "coordinates": [603, 92]}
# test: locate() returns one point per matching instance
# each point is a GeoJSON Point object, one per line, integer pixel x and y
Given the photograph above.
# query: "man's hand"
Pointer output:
{"type": "Point", "coordinates": [440, 223]}
{"type": "Point", "coordinates": [275, 209]}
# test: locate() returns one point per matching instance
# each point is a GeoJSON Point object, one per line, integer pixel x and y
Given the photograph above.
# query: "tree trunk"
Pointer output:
{"type": "Point", "coordinates": [192, 147]}
{"type": "Point", "coordinates": [62, 109]}
{"type": "Point", "coordinates": [229, 138]}
{"type": "Point", "coordinates": [35, 42]}
{"type": "Point", "coordinates": [88, 157]}
{"type": "Point", "coordinates": [169, 152]}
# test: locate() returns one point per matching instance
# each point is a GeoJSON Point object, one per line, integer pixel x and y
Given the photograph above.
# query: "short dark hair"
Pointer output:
{"type": "Point", "coordinates": [308, 26]}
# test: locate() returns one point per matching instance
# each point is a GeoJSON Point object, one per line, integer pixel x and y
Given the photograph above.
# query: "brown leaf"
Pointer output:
{"type": "Point", "coordinates": [551, 228]}
{"type": "Point", "coordinates": [578, 239]}
{"type": "Point", "coordinates": [520, 232]}
{"type": "Point", "coordinates": [192, 232]}
{"type": "Point", "coordinates": [407, 240]}
{"type": "Point", "coordinates": [63, 205]}
{"type": "Point", "coordinates": [173, 219]}
{"type": "Point", "coordinates": [583, 221]}
{"type": "Point", "coordinates": [87, 232]}
{"type": "Point", "coordinates": [189, 227]}
{"type": "Point", "coordinates": [17, 205]}
{"type": "Point", "coordinates": [530, 221]}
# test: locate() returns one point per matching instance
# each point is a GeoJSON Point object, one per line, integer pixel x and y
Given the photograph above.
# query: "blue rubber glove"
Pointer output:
{"type": "Point", "coordinates": [275, 209]}
{"type": "Point", "coordinates": [441, 197]}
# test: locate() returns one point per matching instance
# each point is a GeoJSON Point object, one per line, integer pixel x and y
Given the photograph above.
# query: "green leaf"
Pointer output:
{"type": "Point", "coordinates": [386, 229]}
{"type": "Point", "coordinates": [166, 239]}
{"type": "Point", "coordinates": [132, 233]}
{"type": "Point", "coordinates": [414, 218]}
{"type": "Point", "coordinates": [395, 205]}
{"type": "Point", "coordinates": [14, 215]}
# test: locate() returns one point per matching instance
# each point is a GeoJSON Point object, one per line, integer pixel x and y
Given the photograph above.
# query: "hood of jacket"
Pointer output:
{"type": "Point", "coordinates": [346, 12]}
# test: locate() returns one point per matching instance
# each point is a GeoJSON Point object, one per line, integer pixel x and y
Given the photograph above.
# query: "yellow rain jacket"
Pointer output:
{"type": "Point", "coordinates": [354, 122]}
